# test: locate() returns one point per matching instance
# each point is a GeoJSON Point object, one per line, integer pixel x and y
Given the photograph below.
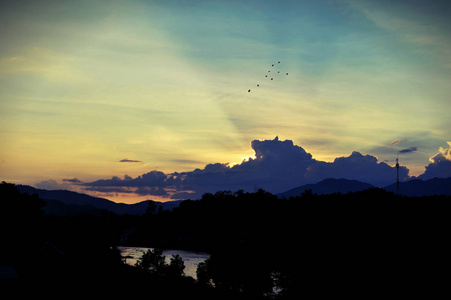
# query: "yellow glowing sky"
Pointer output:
{"type": "Point", "coordinates": [85, 84]}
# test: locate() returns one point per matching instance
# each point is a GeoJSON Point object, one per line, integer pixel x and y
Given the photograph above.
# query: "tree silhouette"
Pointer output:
{"type": "Point", "coordinates": [237, 271]}
{"type": "Point", "coordinates": [152, 261]}
{"type": "Point", "coordinates": [202, 273]}
{"type": "Point", "coordinates": [176, 266]}
{"type": "Point", "coordinates": [17, 205]}
{"type": "Point", "coordinates": [151, 208]}
{"type": "Point", "coordinates": [21, 220]}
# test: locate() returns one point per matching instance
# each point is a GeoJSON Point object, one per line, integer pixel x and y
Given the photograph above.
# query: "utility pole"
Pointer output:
{"type": "Point", "coordinates": [397, 175]}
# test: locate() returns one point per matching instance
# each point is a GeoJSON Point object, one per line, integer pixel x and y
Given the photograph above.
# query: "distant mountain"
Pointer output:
{"type": "Point", "coordinates": [411, 188]}
{"type": "Point", "coordinates": [328, 186]}
{"type": "Point", "coordinates": [418, 187]}
{"type": "Point", "coordinates": [63, 202]}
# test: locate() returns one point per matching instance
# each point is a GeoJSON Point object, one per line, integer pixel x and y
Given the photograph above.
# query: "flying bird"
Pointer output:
{"type": "Point", "coordinates": [269, 71]}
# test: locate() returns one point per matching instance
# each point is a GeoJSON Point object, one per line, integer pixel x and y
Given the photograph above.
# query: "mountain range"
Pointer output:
{"type": "Point", "coordinates": [328, 186]}
{"type": "Point", "coordinates": [418, 187]}
{"type": "Point", "coordinates": [63, 202]}
{"type": "Point", "coordinates": [411, 188]}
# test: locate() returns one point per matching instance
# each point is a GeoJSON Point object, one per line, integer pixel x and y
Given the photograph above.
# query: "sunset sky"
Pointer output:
{"type": "Point", "coordinates": [110, 97]}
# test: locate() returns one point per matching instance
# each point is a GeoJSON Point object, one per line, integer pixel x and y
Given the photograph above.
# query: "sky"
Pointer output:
{"type": "Point", "coordinates": [135, 100]}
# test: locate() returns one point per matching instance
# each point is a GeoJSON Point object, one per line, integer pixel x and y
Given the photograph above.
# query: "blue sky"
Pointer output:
{"type": "Point", "coordinates": [87, 84]}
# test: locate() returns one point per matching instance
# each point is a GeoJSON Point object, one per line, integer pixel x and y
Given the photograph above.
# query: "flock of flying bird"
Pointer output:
{"type": "Point", "coordinates": [266, 76]}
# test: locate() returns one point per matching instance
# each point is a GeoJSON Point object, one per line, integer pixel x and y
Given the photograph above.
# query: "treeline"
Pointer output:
{"type": "Point", "coordinates": [357, 244]}
{"type": "Point", "coordinates": [58, 257]}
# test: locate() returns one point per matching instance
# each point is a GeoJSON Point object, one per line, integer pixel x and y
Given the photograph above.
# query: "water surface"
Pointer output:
{"type": "Point", "coordinates": [190, 258]}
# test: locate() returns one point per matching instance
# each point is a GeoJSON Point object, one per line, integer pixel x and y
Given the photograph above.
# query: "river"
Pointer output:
{"type": "Point", "coordinates": [190, 258]}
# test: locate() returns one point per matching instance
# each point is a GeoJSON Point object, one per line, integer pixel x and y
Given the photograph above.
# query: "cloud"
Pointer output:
{"type": "Point", "coordinates": [151, 183]}
{"type": "Point", "coordinates": [126, 160]}
{"type": "Point", "coordinates": [142, 190]}
{"type": "Point", "coordinates": [277, 166]}
{"type": "Point", "coordinates": [111, 189]}
{"type": "Point", "coordinates": [152, 178]}
{"type": "Point", "coordinates": [151, 191]}
{"type": "Point", "coordinates": [16, 59]}
{"type": "Point", "coordinates": [408, 150]}
{"type": "Point", "coordinates": [424, 27]}
{"type": "Point", "coordinates": [184, 195]}
{"type": "Point", "coordinates": [360, 167]}
{"type": "Point", "coordinates": [397, 142]}
{"type": "Point", "coordinates": [185, 161]}
{"type": "Point", "coordinates": [440, 165]}
{"type": "Point", "coordinates": [52, 185]}
{"type": "Point", "coordinates": [74, 180]}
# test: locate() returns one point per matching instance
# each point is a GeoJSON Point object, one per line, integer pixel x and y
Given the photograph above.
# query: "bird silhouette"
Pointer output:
{"type": "Point", "coordinates": [269, 71]}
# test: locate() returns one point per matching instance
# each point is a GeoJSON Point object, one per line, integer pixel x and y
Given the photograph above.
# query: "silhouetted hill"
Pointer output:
{"type": "Point", "coordinates": [76, 203]}
{"type": "Point", "coordinates": [418, 187]}
{"type": "Point", "coordinates": [328, 186]}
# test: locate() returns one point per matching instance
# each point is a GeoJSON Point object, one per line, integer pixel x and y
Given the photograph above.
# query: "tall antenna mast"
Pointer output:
{"type": "Point", "coordinates": [397, 175]}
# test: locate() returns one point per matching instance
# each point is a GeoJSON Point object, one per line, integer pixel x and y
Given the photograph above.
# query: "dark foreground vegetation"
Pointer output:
{"type": "Point", "coordinates": [356, 245]}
